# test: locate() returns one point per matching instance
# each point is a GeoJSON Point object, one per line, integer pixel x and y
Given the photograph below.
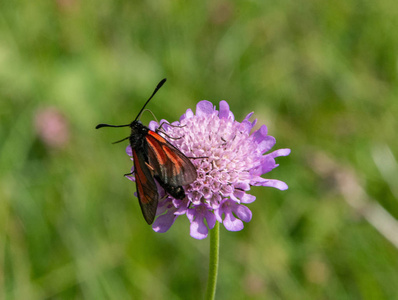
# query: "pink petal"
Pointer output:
{"type": "Point", "coordinates": [224, 112]}
{"type": "Point", "coordinates": [279, 152]}
{"type": "Point", "coordinates": [164, 222]}
{"type": "Point", "coordinates": [243, 213]}
{"type": "Point", "coordinates": [211, 220]}
{"type": "Point", "coordinates": [231, 223]}
{"type": "Point", "coordinates": [129, 151]}
{"type": "Point", "coordinates": [247, 198]}
{"type": "Point", "coordinates": [204, 108]}
{"type": "Point", "coordinates": [271, 182]}
{"type": "Point", "coordinates": [198, 229]}
{"type": "Point", "coordinates": [188, 114]}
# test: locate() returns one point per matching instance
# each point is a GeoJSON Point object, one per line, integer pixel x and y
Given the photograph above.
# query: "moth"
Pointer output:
{"type": "Point", "coordinates": [155, 159]}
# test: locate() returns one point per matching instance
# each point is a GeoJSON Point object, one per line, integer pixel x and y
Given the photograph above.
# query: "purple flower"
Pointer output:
{"type": "Point", "coordinates": [230, 160]}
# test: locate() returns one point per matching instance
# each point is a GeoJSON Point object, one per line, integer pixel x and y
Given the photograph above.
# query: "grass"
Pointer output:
{"type": "Point", "coordinates": [322, 76]}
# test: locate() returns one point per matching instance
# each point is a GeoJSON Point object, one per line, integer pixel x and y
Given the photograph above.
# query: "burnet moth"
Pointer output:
{"type": "Point", "coordinates": [156, 159]}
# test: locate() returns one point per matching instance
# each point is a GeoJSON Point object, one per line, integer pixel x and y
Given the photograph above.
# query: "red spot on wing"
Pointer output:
{"type": "Point", "coordinates": [155, 141]}
{"type": "Point", "coordinates": [157, 136]}
{"type": "Point", "coordinates": [176, 160]}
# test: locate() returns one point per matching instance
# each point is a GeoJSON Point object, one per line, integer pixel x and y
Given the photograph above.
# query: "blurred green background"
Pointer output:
{"type": "Point", "coordinates": [321, 75]}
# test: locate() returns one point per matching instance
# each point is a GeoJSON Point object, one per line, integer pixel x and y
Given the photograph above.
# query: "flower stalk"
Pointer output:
{"type": "Point", "coordinates": [213, 262]}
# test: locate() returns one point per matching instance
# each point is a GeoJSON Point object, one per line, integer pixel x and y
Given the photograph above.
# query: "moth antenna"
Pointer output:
{"type": "Point", "coordinates": [126, 138]}
{"type": "Point", "coordinates": [153, 94]}
{"type": "Point", "coordinates": [108, 125]}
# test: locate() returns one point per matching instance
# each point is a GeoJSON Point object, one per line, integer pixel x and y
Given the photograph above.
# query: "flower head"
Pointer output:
{"type": "Point", "coordinates": [229, 158]}
{"type": "Point", "coordinates": [52, 127]}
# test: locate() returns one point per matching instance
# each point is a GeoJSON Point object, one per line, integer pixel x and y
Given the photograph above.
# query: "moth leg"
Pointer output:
{"type": "Point", "coordinates": [159, 129]}
{"type": "Point", "coordinates": [198, 157]}
{"type": "Point", "coordinates": [170, 137]}
{"type": "Point", "coordinates": [161, 125]}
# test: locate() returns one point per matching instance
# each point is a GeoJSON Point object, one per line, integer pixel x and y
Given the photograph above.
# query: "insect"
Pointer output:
{"type": "Point", "coordinates": [156, 159]}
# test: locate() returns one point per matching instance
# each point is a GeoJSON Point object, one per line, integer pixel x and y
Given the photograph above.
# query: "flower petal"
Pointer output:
{"type": "Point", "coordinates": [247, 198]}
{"type": "Point", "coordinates": [248, 117]}
{"type": "Point", "coordinates": [231, 223]}
{"type": "Point", "coordinates": [242, 186]}
{"type": "Point", "coordinates": [247, 125]}
{"type": "Point", "coordinates": [267, 144]}
{"type": "Point", "coordinates": [181, 205]}
{"type": "Point", "coordinates": [164, 222]}
{"type": "Point", "coordinates": [153, 125]}
{"type": "Point", "coordinates": [188, 114]}
{"type": "Point", "coordinates": [260, 133]}
{"type": "Point", "coordinates": [198, 229]}
{"type": "Point", "coordinates": [266, 165]}
{"type": "Point", "coordinates": [129, 151]}
{"type": "Point", "coordinates": [165, 205]}
{"type": "Point", "coordinates": [270, 182]}
{"type": "Point", "coordinates": [210, 219]}
{"type": "Point", "coordinates": [224, 112]}
{"type": "Point", "coordinates": [280, 152]}
{"type": "Point", "coordinates": [243, 213]}
{"type": "Point", "coordinates": [204, 108]}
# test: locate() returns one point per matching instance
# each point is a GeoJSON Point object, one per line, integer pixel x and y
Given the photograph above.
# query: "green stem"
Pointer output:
{"type": "Point", "coordinates": [213, 262]}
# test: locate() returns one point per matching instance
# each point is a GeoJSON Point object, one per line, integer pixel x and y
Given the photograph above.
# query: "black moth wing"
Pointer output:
{"type": "Point", "coordinates": [169, 164]}
{"type": "Point", "coordinates": [147, 191]}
